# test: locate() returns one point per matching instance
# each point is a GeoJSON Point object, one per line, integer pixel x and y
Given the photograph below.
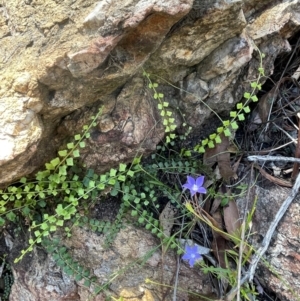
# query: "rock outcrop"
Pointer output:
{"type": "Point", "coordinates": [42, 279]}
{"type": "Point", "coordinates": [59, 58]}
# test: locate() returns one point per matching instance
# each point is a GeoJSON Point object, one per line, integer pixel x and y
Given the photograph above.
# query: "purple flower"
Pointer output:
{"type": "Point", "coordinates": [195, 185]}
{"type": "Point", "coordinates": [191, 254]}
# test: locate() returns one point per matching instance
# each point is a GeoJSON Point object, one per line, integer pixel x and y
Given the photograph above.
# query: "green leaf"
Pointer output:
{"type": "Point", "coordinates": [11, 216]}
{"type": "Point", "coordinates": [62, 170]}
{"type": "Point", "coordinates": [239, 106]}
{"type": "Point", "coordinates": [80, 191]}
{"type": "Point", "coordinates": [166, 104]}
{"type": "Point", "coordinates": [220, 130]}
{"type": "Point", "coordinates": [160, 95]}
{"type": "Point", "coordinates": [247, 95]}
{"type": "Point", "coordinates": [114, 192]}
{"type": "Point", "coordinates": [91, 184]}
{"type": "Point", "coordinates": [224, 202]}
{"type": "Point", "coordinates": [169, 113]}
{"type": "Point", "coordinates": [101, 186]}
{"type": "Point", "coordinates": [122, 167]}
{"type": "Point", "coordinates": [155, 85]}
{"type": "Point", "coordinates": [130, 173]}
{"type": "Point", "coordinates": [70, 145]}
{"type": "Point", "coordinates": [212, 136]}
{"type": "Point", "coordinates": [226, 123]}
{"type": "Point", "coordinates": [254, 98]}
{"type": "Point", "coordinates": [78, 277]}
{"type": "Point", "coordinates": [254, 85]}
{"type": "Point", "coordinates": [63, 153]}
{"type": "Point", "coordinates": [76, 153]}
{"type": "Point", "coordinates": [55, 162]}
{"type": "Point", "coordinates": [162, 113]}
{"type": "Point", "coordinates": [134, 213]}
{"type": "Point", "coordinates": [60, 222]}
{"type": "Point", "coordinates": [218, 139]}
{"type": "Point", "coordinates": [160, 106]}
{"type": "Point", "coordinates": [2, 222]}
{"type": "Point", "coordinates": [60, 210]}
{"type": "Point", "coordinates": [137, 200]}
{"type": "Point", "coordinates": [87, 283]}
{"type": "Point", "coordinates": [112, 181]}
{"type": "Point", "coordinates": [52, 228]}
{"type": "Point", "coordinates": [136, 160]}
{"type": "Point", "coordinates": [42, 195]}
{"type": "Point", "coordinates": [246, 109]}
{"type": "Point", "coordinates": [227, 133]}
{"type": "Point", "coordinates": [23, 180]}
{"type": "Point", "coordinates": [241, 117]}
{"type": "Point", "coordinates": [70, 161]}
{"type": "Point", "coordinates": [49, 166]}
{"type": "Point", "coordinates": [121, 178]}
{"type": "Point", "coordinates": [26, 211]}
{"type": "Point", "coordinates": [187, 153]}
{"type": "Point", "coordinates": [112, 172]}
{"type": "Point", "coordinates": [77, 137]}
{"type": "Point", "coordinates": [155, 95]}
{"type": "Point", "coordinates": [204, 142]}
{"type": "Point", "coordinates": [233, 114]}
{"type": "Point", "coordinates": [87, 135]}
{"type": "Point", "coordinates": [211, 144]}
{"type": "Point", "coordinates": [37, 233]}
{"type": "Point", "coordinates": [82, 144]}
{"type": "Point", "coordinates": [44, 226]}
{"type": "Point", "coordinates": [234, 125]}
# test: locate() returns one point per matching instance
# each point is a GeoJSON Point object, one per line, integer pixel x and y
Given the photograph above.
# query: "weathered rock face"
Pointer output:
{"type": "Point", "coordinates": [58, 57]}
{"type": "Point", "coordinates": [43, 280]}
{"type": "Point", "coordinates": [283, 253]}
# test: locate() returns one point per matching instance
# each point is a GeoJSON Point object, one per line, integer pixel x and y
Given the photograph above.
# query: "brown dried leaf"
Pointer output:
{"type": "Point", "coordinates": [265, 103]}
{"type": "Point", "coordinates": [216, 203]}
{"type": "Point", "coordinates": [219, 243]}
{"type": "Point", "coordinates": [221, 155]}
{"type": "Point", "coordinates": [232, 219]}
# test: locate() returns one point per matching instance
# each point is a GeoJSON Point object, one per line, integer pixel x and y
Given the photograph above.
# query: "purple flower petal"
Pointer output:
{"type": "Point", "coordinates": [202, 190]}
{"type": "Point", "coordinates": [199, 181]}
{"type": "Point", "coordinates": [187, 186]}
{"type": "Point", "coordinates": [191, 180]}
{"type": "Point", "coordinates": [194, 186]}
{"type": "Point", "coordinates": [192, 255]}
